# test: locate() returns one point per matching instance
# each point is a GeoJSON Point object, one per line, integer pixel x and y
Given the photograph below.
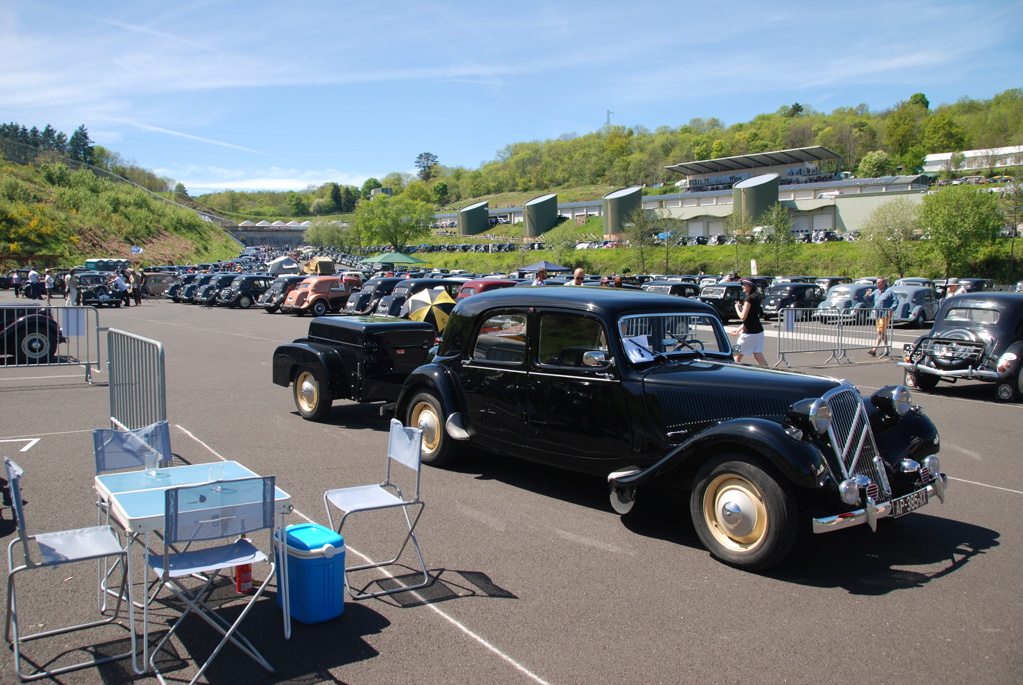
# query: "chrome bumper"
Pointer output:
{"type": "Point", "coordinates": [968, 373]}
{"type": "Point", "coordinates": [872, 512]}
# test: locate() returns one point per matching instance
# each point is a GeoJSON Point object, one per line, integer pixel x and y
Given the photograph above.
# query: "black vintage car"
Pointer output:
{"type": "Point", "coordinates": [176, 291]}
{"type": "Point", "coordinates": [244, 290]}
{"type": "Point", "coordinates": [94, 290]}
{"type": "Point", "coordinates": [639, 388]}
{"type": "Point", "coordinates": [678, 289]}
{"type": "Point", "coordinates": [791, 296]}
{"type": "Point", "coordinates": [206, 293]}
{"type": "Point", "coordinates": [366, 300]}
{"type": "Point", "coordinates": [28, 334]}
{"type": "Point", "coordinates": [723, 298]}
{"type": "Point", "coordinates": [977, 336]}
{"type": "Point", "coordinates": [272, 299]}
{"type": "Point", "coordinates": [390, 305]}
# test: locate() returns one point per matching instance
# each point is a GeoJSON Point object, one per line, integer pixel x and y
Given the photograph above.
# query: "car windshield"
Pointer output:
{"type": "Point", "coordinates": [780, 290]}
{"type": "Point", "coordinates": [976, 315]}
{"type": "Point", "coordinates": [645, 335]}
{"type": "Point", "coordinates": [839, 292]}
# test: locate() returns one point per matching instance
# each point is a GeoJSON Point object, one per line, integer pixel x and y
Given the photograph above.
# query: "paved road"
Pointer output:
{"type": "Point", "coordinates": [537, 579]}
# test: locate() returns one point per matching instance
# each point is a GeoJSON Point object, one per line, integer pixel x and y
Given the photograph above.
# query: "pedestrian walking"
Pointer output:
{"type": "Point", "coordinates": [751, 333]}
{"type": "Point", "coordinates": [48, 284]}
{"type": "Point", "coordinates": [884, 304]}
{"type": "Point", "coordinates": [16, 282]}
{"type": "Point", "coordinates": [72, 289]}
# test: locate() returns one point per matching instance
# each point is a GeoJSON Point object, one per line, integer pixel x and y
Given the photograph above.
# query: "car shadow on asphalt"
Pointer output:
{"type": "Point", "coordinates": [903, 554]}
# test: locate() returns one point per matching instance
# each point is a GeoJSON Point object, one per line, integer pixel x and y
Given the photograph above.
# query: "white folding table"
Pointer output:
{"type": "Point", "coordinates": [136, 500]}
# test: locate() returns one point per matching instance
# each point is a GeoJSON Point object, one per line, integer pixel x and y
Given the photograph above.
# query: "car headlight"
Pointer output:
{"type": "Point", "coordinates": [813, 413]}
{"type": "Point", "coordinates": [894, 400]}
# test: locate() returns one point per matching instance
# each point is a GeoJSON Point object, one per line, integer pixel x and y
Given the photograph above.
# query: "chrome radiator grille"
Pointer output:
{"type": "Point", "coordinates": [853, 441]}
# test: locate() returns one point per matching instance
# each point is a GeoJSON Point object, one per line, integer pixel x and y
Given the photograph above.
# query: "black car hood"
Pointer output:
{"type": "Point", "coordinates": [701, 392]}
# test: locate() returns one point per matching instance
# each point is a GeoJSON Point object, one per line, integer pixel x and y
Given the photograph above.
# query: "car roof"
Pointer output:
{"type": "Point", "coordinates": [609, 302]}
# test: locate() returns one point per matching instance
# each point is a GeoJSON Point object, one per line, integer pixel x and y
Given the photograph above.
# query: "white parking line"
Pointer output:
{"type": "Point", "coordinates": [450, 619]}
{"type": "Point", "coordinates": [985, 485]}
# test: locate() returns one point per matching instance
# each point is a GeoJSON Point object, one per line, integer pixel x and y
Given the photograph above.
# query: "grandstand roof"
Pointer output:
{"type": "Point", "coordinates": [759, 160]}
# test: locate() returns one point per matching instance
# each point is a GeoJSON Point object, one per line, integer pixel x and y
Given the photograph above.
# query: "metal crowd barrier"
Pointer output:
{"type": "Point", "coordinates": [52, 336]}
{"type": "Point", "coordinates": [835, 331]}
{"type": "Point", "coordinates": [859, 330]}
{"type": "Point", "coordinates": [138, 383]}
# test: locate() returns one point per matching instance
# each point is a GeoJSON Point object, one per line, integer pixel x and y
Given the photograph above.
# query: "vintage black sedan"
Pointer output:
{"type": "Point", "coordinates": [791, 296]}
{"type": "Point", "coordinates": [977, 336]}
{"type": "Point", "coordinates": [639, 388]}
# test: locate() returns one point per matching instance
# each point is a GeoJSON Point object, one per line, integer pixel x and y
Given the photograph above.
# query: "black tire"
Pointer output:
{"type": "Point", "coordinates": [272, 309]}
{"type": "Point", "coordinates": [245, 301]}
{"type": "Point", "coordinates": [920, 381]}
{"type": "Point", "coordinates": [319, 308]}
{"type": "Point", "coordinates": [34, 347]}
{"type": "Point", "coordinates": [425, 411]}
{"type": "Point", "coordinates": [766, 524]}
{"type": "Point", "coordinates": [312, 398]}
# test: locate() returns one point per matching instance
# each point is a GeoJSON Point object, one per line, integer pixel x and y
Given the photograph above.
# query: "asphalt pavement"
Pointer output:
{"type": "Point", "coordinates": [536, 578]}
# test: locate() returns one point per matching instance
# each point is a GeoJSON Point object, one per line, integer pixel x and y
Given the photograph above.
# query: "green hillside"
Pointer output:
{"type": "Point", "coordinates": [53, 210]}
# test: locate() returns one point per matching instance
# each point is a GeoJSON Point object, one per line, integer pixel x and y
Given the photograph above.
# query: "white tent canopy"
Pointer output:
{"type": "Point", "coordinates": [282, 265]}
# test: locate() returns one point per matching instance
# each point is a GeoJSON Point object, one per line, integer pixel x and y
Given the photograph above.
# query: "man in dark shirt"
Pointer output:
{"type": "Point", "coordinates": [751, 333]}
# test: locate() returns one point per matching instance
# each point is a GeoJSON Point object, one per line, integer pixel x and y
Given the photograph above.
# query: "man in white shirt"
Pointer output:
{"type": "Point", "coordinates": [33, 284]}
{"type": "Point", "coordinates": [541, 276]}
{"type": "Point", "coordinates": [578, 277]}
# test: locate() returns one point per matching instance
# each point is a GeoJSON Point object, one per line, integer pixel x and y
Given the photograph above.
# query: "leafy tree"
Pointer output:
{"type": "Point", "coordinates": [960, 220]}
{"type": "Point", "coordinates": [395, 181]}
{"type": "Point", "coordinates": [561, 241]}
{"type": "Point", "coordinates": [780, 247]}
{"type": "Point", "coordinates": [888, 235]}
{"type": "Point", "coordinates": [298, 204]}
{"type": "Point", "coordinates": [394, 221]}
{"type": "Point", "coordinates": [741, 228]}
{"type": "Point", "coordinates": [334, 193]}
{"type": "Point", "coordinates": [440, 192]}
{"type": "Point", "coordinates": [902, 128]}
{"type": "Point", "coordinates": [180, 189]}
{"type": "Point", "coordinates": [913, 161]}
{"type": "Point", "coordinates": [348, 199]}
{"type": "Point", "coordinates": [943, 134]}
{"type": "Point", "coordinates": [369, 186]}
{"type": "Point", "coordinates": [640, 232]}
{"type": "Point", "coordinates": [321, 206]}
{"type": "Point", "coordinates": [418, 191]}
{"type": "Point", "coordinates": [1012, 207]}
{"type": "Point", "coordinates": [80, 147]}
{"type": "Point", "coordinates": [333, 233]}
{"type": "Point", "coordinates": [920, 100]}
{"type": "Point", "coordinates": [426, 162]}
{"type": "Point", "coordinates": [874, 164]}
{"type": "Point", "coordinates": [794, 111]}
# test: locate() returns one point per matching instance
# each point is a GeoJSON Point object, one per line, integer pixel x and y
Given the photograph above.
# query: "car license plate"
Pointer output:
{"type": "Point", "coordinates": [907, 503]}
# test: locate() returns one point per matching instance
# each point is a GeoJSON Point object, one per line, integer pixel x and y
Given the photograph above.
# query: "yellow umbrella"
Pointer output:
{"type": "Point", "coordinates": [432, 305]}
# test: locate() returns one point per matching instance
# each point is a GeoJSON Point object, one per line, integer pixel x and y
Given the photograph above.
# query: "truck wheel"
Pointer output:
{"type": "Point", "coordinates": [35, 347]}
{"type": "Point", "coordinates": [312, 398]}
{"type": "Point", "coordinates": [425, 411]}
{"type": "Point", "coordinates": [920, 381]}
{"type": "Point", "coordinates": [244, 301]}
{"type": "Point", "coordinates": [744, 515]}
{"type": "Point", "coordinates": [319, 308]}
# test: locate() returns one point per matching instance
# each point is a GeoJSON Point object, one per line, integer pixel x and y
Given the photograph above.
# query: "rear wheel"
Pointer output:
{"type": "Point", "coordinates": [35, 347]}
{"type": "Point", "coordinates": [920, 381]}
{"type": "Point", "coordinates": [319, 308]}
{"type": "Point", "coordinates": [425, 411]}
{"type": "Point", "coordinates": [244, 301]}
{"type": "Point", "coordinates": [312, 398]}
{"type": "Point", "coordinates": [743, 514]}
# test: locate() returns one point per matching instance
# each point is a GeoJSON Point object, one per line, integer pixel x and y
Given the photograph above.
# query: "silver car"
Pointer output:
{"type": "Point", "coordinates": [917, 305]}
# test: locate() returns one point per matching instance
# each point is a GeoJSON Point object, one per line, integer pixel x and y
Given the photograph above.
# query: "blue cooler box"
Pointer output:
{"type": "Point", "coordinates": [316, 573]}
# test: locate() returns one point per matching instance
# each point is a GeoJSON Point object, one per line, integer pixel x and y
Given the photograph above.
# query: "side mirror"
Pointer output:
{"type": "Point", "coordinates": [595, 358]}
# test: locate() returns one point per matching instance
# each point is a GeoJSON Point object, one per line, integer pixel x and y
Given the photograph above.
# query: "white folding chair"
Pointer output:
{"type": "Point", "coordinates": [57, 549]}
{"type": "Point", "coordinates": [213, 511]}
{"type": "Point", "coordinates": [121, 450]}
{"type": "Point", "coordinates": [404, 447]}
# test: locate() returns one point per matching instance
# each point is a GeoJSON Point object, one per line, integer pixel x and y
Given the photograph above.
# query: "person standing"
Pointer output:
{"type": "Point", "coordinates": [32, 292]}
{"type": "Point", "coordinates": [884, 304]}
{"type": "Point", "coordinates": [72, 289]}
{"type": "Point", "coordinates": [136, 286]}
{"type": "Point", "coordinates": [751, 333]}
{"type": "Point", "coordinates": [48, 284]}
{"type": "Point", "coordinates": [120, 288]}
{"type": "Point", "coordinates": [578, 277]}
{"type": "Point", "coordinates": [16, 282]}
{"type": "Point", "coordinates": [541, 276]}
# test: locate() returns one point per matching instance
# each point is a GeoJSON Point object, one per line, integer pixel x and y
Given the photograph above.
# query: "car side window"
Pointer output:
{"type": "Point", "coordinates": [565, 338]}
{"type": "Point", "coordinates": [502, 338]}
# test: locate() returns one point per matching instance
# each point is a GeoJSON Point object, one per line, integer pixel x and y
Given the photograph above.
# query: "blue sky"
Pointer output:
{"type": "Point", "coordinates": [253, 94]}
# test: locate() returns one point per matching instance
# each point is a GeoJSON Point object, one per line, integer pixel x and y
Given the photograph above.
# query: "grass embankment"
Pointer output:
{"type": "Point", "coordinates": [77, 215]}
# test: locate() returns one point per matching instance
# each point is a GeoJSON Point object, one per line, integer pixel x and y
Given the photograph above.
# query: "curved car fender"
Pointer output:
{"type": "Point", "coordinates": [438, 379]}
{"type": "Point", "coordinates": [895, 445]}
{"type": "Point", "coordinates": [800, 461]}
{"type": "Point", "coordinates": [325, 357]}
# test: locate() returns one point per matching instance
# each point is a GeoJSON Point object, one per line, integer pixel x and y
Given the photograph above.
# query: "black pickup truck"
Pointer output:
{"type": "Point", "coordinates": [639, 388]}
